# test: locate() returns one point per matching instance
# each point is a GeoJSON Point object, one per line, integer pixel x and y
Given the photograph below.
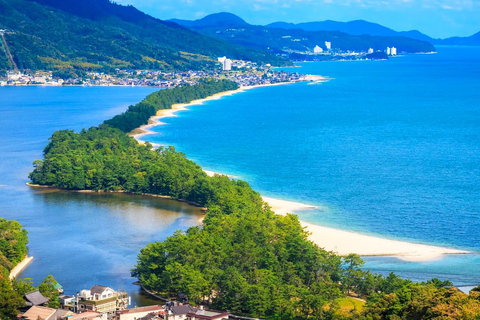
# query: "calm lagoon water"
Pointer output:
{"type": "Point", "coordinates": [389, 148]}
{"type": "Point", "coordinates": [82, 239]}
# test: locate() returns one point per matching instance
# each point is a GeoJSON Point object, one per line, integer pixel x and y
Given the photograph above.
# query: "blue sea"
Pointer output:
{"type": "Point", "coordinates": [388, 148]}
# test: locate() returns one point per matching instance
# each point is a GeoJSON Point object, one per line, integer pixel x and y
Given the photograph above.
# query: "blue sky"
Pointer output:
{"type": "Point", "coordinates": [437, 18]}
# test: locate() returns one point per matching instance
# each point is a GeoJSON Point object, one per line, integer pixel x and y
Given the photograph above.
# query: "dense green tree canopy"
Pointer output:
{"type": "Point", "coordinates": [13, 243]}
{"type": "Point", "coordinates": [13, 248]}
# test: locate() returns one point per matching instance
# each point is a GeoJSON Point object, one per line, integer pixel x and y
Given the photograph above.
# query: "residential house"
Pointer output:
{"type": "Point", "coordinates": [44, 313]}
{"type": "Point", "coordinates": [139, 313]}
{"type": "Point", "coordinates": [67, 302]}
{"type": "Point", "coordinates": [102, 299]}
{"type": "Point", "coordinates": [89, 315]}
{"type": "Point", "coordinates": [202, 314]}
{"type": "Point", "coordinates": [187, 312]}
{"type": "Point", "coordinates": [37, 312]}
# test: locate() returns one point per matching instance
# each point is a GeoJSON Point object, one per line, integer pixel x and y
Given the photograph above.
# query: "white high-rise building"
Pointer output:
{"type": "Point", "coordinates": [370, 50]}
{"type": "Point", "coordinates": [328, 45]}
{"type": "Point", "coordinates": [393, 51]}
{"type": "Point", "coordinates": [227, 65]}
{"type": "Point", "coordinates": [317, 49]}
{"type": "Point", "coordinates": [388, 51]}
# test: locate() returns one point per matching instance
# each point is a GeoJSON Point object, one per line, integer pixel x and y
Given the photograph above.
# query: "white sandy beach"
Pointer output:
{"type": "Point", "coordinates": [20, 267]}
{"type": "Point", "coordinates": [345, 242]}
{"type": "Point", "coordinates": [339, 241]}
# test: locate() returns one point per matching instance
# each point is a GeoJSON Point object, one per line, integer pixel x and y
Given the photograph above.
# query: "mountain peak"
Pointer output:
{"type": "Point", "coordinates": [221, 19]}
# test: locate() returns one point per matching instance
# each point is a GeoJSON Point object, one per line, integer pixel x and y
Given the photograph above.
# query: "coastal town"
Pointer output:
{"type": "Point", "coordinates": [245, 73]}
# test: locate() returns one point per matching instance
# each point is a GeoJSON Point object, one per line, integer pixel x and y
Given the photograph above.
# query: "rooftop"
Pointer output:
{"type": "Point", "coordinates": [35, 298]}
{"type": "Point", "coordinates": [38, 313]}
{"type": "Point", "coordinates": [143, 309]}
{"type": "Point", "coordinates": [183, 309]}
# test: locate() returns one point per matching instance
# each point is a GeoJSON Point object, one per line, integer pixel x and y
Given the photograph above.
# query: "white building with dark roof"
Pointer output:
{"type": "Point", "coordinates": [102, 299]}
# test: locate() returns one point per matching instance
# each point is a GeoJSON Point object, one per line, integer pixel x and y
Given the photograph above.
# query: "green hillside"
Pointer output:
{"type": "Point", "coordinates": [77, 36]}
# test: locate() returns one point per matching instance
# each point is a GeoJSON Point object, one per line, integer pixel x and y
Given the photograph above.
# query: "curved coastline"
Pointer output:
{"type": "Point", "coordinates": [339, 241]}
{"type": "Point", "coordinates": [20, 267]}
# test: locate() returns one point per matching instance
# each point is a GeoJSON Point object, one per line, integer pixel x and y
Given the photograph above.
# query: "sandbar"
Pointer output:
{"type": "Point", "coordinates": [344, 242]}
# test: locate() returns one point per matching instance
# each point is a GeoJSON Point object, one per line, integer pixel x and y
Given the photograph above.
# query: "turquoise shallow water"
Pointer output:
{"type": "Point", "coordinates": [390, 148]}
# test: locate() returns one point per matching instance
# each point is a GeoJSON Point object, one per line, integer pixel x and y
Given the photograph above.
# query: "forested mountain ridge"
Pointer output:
{"type": "Point", "coordinates": [279, 40]}
{"type": "Point", "coordinates": [361, 27]}
{"type": "Point", "coordinates": [220, 19]}
{"type": "Point", "coordinates": [83, 35]}
{"type": "Point", "coordinates": [356, 27]}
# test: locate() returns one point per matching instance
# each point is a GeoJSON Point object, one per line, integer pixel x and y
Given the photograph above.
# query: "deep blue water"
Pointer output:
{"type": "Point", "coordinates": [390, 148]}
{"type": "Point", "coordinates": [81, 239]}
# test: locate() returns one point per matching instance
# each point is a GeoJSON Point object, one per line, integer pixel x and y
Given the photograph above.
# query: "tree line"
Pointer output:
{"type": "Point", "coordinates": [139, 114]}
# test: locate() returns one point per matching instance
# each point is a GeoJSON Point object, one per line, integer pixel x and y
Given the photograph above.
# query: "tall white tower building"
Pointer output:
{"type": "Point", "coordinates": [328, 45]}
{"type": "Point", "coordinates": [227, 65]}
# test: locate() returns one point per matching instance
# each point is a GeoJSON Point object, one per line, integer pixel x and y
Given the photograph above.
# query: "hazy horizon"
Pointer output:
{"type": "Point", "coordinates": [436, 18]}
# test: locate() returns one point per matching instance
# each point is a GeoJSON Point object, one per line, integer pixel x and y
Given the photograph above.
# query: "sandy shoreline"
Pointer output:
{"type": "Point", "coordinates": [339, 241]}
{"type": "Point", "coordinates": [344, 242]}
{"type": "Point", "coordinates": [20, 267]}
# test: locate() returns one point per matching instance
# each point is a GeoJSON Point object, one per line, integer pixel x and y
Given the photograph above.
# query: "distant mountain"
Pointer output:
{"type": "Point", "coordinates": [357, 27]}
{"type": "Point", "coordinates": [473, 40]}
{"type": "Point", "coordinates": [74, 36]}
{"type": "Point", "coordinates": [284, 40]}
{"type": "Point", "coordinates": [222, 19]}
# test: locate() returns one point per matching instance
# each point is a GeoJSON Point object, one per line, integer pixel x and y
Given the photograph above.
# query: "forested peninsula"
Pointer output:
{"type": "Point", "coordinates": [244, 258]}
